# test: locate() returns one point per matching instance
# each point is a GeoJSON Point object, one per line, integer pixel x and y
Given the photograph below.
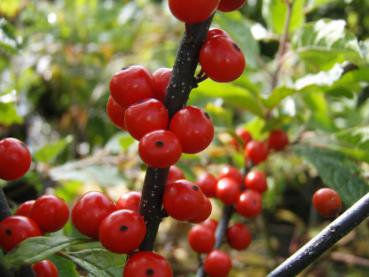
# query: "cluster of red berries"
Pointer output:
{"type": "Point", "coordinates": [327, 202]}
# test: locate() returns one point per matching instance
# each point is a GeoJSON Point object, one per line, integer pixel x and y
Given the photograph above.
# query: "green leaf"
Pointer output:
{"type": "Point", "coordinates": [8, 42]}
{"type": "Point", "coordinates": [8, 114]}
{"type": "Point", "coordinates": [358, 137]}
{"type": "Point", "coordinates": [65, 267]}
{"type": "Point", "coordinates": [50, 151]}
{"type": "Point", "coordinates": [98, 262]}
{"type": "Point", "coordinates": [337, 171]}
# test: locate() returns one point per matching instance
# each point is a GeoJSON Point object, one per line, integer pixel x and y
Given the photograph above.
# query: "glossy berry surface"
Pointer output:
{"type": "Point", "coordinates": [228, 190]}
{"type": "Point", "coordinates": [203, 211]}
{"type": "Point", "coordinates": [221, 59]}
{"type": "Point", "coordinates": [278, 140]}
{"type": "Point", "coordinates": [50, 213]}
{"type": "Point", "coordinates": [217, 264]}
{"type": "Point", "coordinates": [230, 5]}
{"type": "Point", "coordinates": [89, 211]}
{"type": "Point", "coordinates": [256, 151]}
{"type": "Point", "coordinates": [327, 202]}
{"type": "Point", "coordinates": [45, 268]}
{"type": "Point", "coordinates": [147, 264]}
{"type": "Point", "coordinates": [160, 149]}
{"type": "Point", "coordinates": [210, 223]}
{"type": "Point", "coordinates": [146, 116]}
{"type": "Point", "coordinates": [208, 184]}
{"type": "Point", "coordinates": [161, 81]}
{"type": "Point", "coordinates": [115, 113]}
{"type": "Point", "coordinates": [244, 135]}
{"type": "Point", "coordinates": [15, 159]}
{"type": "Point", "coordinates": [201, 239]}
{"type": "Point", "coordinates": [249, 203]}
{"type": "Point", "coordinates": [25, 208]}
{"type": "Point", "coordinates": [129, 201]}
{"type": "Point", "coordinates": [174, 174]}
{"type": "Point", "coordinates": [15, 229]}
{"type": "Point", "coordinates": [192, 11]}
{"type": "Point", "coordinates": [216, 32]}
{"type": "Point", "coordinates": [231, 172]}
{"type": "Point", "coordinates": [131, 84]}
{"type": "Point", "coordinates": [193, 128]}
{"type": "Point", "coordinates": [256, 180]}
{"type": "Point", "coordinates": [238, 236]}
{"type": "Point", "coordinates": [122, 231]}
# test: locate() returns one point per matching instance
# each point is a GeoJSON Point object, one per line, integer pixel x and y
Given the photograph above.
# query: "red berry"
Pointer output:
{"type": "Point", "coordinates": [147, 264]}
{"type": "Point", "coordinates": [160, 149]}
{"type": "Point", "coordinates": [238, 236]}
{"type": "Point", "coordinates": [256, 151]}
{"type": "Point", "coordinates": [146, 116]}
{"type": "Point", "coordinates": [278, 140]}
{"type": "Point", "coordinates": [15, 229]}
{"type": "Point", "coordinates": [15, 159]}
{"type": "Point", "coordinates": [231, 172]}
{"type": "Point", "coordinates": [203, 211]}
{"type": "Point", "coordinates": [327, 202]}
{"type": "Point", "coordinates": [216, 32]}
{"type": "Point", "coordinates": [230, 5]}
{"type": "Point", "coordinates": [255, 180]}
{"type": "Point", "coordinates": [249, 203]}
{"type": "Point", "coordinates": [131, 85]}
{"type": "Point", "coordinates": [45, 268]}
{"type": "Point", "coordinates": [217, 264]}
{"type": "Point", "coordinates": [122, 231]}
{"type": "Point", "coordinates": [244, 135]}
{"type": "Point", "coordinates": [193, 128]}
{"type": "Point", "coordinates": [210, 223]}
{"type": "Point", "coordinates": [201, 239]}
{"type": "Point", "coordinates": [129, 201]}
{"type": "Point", "coordinates": [208, 184]}
{"type": "Point", "coordinates": [89, 211]}
{"type": "Point", "coordinates": [161, 82]}
{"type": "Point", "coordinates": [193, 11]}
{"type": "Point", "coordinates": [221, 59]}
{"type": "Point", "coordinates": [174, 174]}
{"type": "Point", "coordinates": [25, 208]}
{"type": "Point", "coordinates": [50, 213]}
{"type": "Point", "coordinates": [115, 113]}
{"type": "Point", "coordinates": [228, 190]}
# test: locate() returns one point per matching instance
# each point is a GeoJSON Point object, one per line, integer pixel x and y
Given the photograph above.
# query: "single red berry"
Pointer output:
{"type": "Point", "coordinates": [131, 84]}
{"type": "Point", "coordinates": [208, 184]}
{"type": "Point", "coordinates": [238, 236]}
{"type": "Point", "coordinates": [230, 5]}
{"type": "Point", "coordinates": [278, 140]}
{"type": "Point", "coordinates": [193, 11]}
{"type": "Point", "coordinates": [25, 208]}
{"type": "Point", "coordinates": [115, 113]}
{"type": "Point", "coordinates": [122, 231]}
{"type": "Point", "coordinates": [45, 268]}
{"type": "Point", "coordinates": [15, 229]}
{"type": "Point", "coordinates": [203, 211]}
{"type": "Point", "coordinates": [216, 32]}
{"type": "Point", "coordinates": [217, 264]}
{"type": "Point", "coordinates": [160, 149]}
{"type": "Point", "coordinates": [327, 202]}
{"type": "Point", "coordinates": [161, 82]}
{"type": "Point", "coordinates": [244, 135]}
{"type": "Point", "coordinates": [15, 159]}
{"type": "Point", "coordinates": [89, 211]}
{"type": "Point", "coordinates": [256, 151]}
{"type": "Point", "coordinates": [147, 264]}
{"type": "Point", "coordinates": [174, 174]}
{"type": "Point", "coordinates": [129, 201]}
{"type": "Point", "coordinates": [221, 59]}
{"type": "Point", "coordinates": [50, 213]}
{"type": "Point", "coordinates": [193, 128]}
{"type": "Point", "coordinates": [201, 239]}
{"type": "Point", "coordinates": [210, 223]}
{"type": "Point", "coordinates": [255, 180]}
{"type": "Point", "coordinates": [228, 190]}
{"type": "Point", "coordinates": [249, 203]}
{"type": "Point", "coordinates": [231, 172]}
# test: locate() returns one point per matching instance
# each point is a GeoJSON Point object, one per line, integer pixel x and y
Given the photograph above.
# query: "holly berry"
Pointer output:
{"type": "Point", "coordinates": [45, 268]}
{"type": "Point", "coordinates": [122, 231]}
{"type": "Point", "coordinates": [256, 151]}
{"type": "Point", "coordinates": [174, 174]}
{"type": "Point", "coordinates": [132, 84]}
{"type": "Point", "coordinates": [228, 190]}
{"type": "Point", "coordinates": [327, 202]}
{"type": "Point", "coordinates": [221, 59]}
{"type": "Point", "coordinates": [208, 184]}
{"type": "Point", "coordinates": [50, 213]}
{"type": "Point", "coordinates": [89, 211]}
{"type": "Point", "coordinates": [160, 149]}
{"type": "Point", "coordinates": [216, 32]}
{"type": "Point", "coordinates": [231, 172]}
{"type": "Point", "coordinates": [129, 201]}
{"type": "Point", "coordinates": [201, 239]}
{"type": "Point", "coordinates": [278, 140]}
{"type": "Point", "coordinates": [249, 203]}
{"type": "Point", "coordinates": [210, 223]}
{"type": "Point", "coordinates": [116, 113]}
{"type": "Point", "coordinates": [25, 208]}
{"type": "Point", "coordinates": [238, 236]}
{"type": "Point", "coordinates": [161, 82]}
{"type": "Point", "coordinates": [15, 229]}
{"type": "Point", "coordinates": [193, 11]}
{"type": "Point", "coordinates": [15, 159]}
{"type": "Point", "coordinates": [255, 180]}
{"type": "Point", "coordinates": [147, 264]}
{"type": "Point", "coordinates": [193, 128]}
{"type": "Point", "coordinates": [203, 211]}
{"type": "Point", "coordinates": [217, 264]}
{"type": "Point", "coordinates": [230, 5]}
{"type": "Point", "coordinates": [244, 135]}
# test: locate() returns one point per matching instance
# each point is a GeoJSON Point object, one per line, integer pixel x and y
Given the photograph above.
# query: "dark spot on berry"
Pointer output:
{"type": "Point", "coordinates": [195, 188]}
{"type": "Point", "coordinates": [150, 272]}
{"type": "Point", "coordinates": [125, 67]}
{"type": "Point", "coordinates": [159, 144]}
{"type": "Point", "coordinates": [23, 145]}
{"type": "Point", "coordinates": [123, 228]}
{"type": "Point", "coordinates": [236, 47]}
{"type": "Point", "coordinates": [8, 232]}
